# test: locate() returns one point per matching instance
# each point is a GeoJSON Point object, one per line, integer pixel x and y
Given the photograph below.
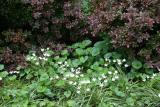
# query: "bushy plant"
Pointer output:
{"type": "Point", "coordinates": [58, 19]}
{"type": "Point", "coordinates": [129, 22]}
{"type": "Point", "coordinates": [86, 76]}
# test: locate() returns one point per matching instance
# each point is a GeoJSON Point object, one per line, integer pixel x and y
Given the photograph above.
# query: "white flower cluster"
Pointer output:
{"type": "Point", "coordinates": [63, 66]}
{"type": "Point", "coordinates": [116, 61]}
{"type": "Point", "coordinates": [1, 78]}
{"type": "Point", "coordinates": [121, 62]}
{"type": "Point", "coordinates": [14, 72]}
{"type": "Point", "coordinates": [34, 58]}
{"type": "Point", "coordinates": [76, 78]}
{"type": "Point", "coordinates": [45, 52]}
{"type": "Point", "coordinates": [149, 77]}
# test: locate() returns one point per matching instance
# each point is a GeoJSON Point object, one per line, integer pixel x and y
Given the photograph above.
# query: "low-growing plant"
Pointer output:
{"type": "Point", "coordinates": [89, 75]}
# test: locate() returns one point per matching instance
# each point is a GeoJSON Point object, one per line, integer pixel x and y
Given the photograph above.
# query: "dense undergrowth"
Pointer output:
{"type": "Point", "coordinates": [81, 75]}
{"type": "Point", "coordinates": [79, 53]}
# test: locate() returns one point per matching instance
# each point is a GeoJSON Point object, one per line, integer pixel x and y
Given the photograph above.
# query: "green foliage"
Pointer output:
{"type": "Point", "coordinates": [136, 64]}
{"type": "Point", "coordinates": [86, 6]}
{"type": "Point", "coordinates": [88, 76]}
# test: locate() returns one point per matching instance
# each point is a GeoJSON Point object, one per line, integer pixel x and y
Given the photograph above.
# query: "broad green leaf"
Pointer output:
{"type": "Point", "coordinates": [95, 51]}
{"type": "Point", "coordinates": [76, 62]}
{"type": "Point", "coordinates": [100, 45]}
{"type": "Point", "coordinates": [60, 83]}
{"type": "Point", "coordinates": [44, 77]}
{"type": "Point", "coordinates": [41, 89]}
{"type": "Point", "coordinates": [1, 66]}
{"type": "Point", "coordinates": [130, 101]}
{"type": "Point", "coordinates": [136, 64]}
{"type": "Point", "coordinates": [3, 74]}
{"type": "Point", "coordinates": [80, 51]}
{"type": "Point", "coordinates": [85, 43]}
{"type": "Point", "coordinates": [83, 59]}
{"type": "Point", "coordinates": [64, 52]}
{"type": "Point", "coordinates": [108, 55]}
{"type": "Point", "coordinates": [67, 93]}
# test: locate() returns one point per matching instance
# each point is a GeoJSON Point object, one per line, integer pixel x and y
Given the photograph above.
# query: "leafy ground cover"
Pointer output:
{"type": "Point", "coordinates": [81, 75]}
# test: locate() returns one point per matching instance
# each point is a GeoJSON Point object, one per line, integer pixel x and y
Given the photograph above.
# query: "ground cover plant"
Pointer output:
{"type": "Point", "coordinates": [79, 53]}
{"type": "Point", "coordinates": [79, 76]}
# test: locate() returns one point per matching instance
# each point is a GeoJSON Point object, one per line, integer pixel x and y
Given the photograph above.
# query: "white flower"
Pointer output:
{"type": "Point", "coordinates": [70, 82]}
{"type": "Point", "coordinates": [124, 60]}
{"type": "Point", "coordinates": [101, 85]}
{"type": "Point", "coordinates": [105, 65]}
{"type": "Point", "coordinates": [78, 87]}
{"type": "Point", "coordinates": [75, 83]}
{"type": "Point", "coordinates": [85, 82]}
{"type": "Point", "coordinates": [37, 63]}
{"type": "Point", "coordinates": [119, 63]}
{"type": "Point", "coordinates": [57, 77]}
{"type": "Point", "coordinates": [154, 75]}
{"type": "Point", "coordinates": [116, 77]}
{"type": "Point", "coordinates": [159, 95]}
{"type": "Point", "coordinates": [59, 63]}
{"type": "Point", "coordinates": [144, 80]}
{"type": "Point", "coordinates": [109, 72]}
{"type": "Point", "coordinates": [103, 76]}
{"type": "Point", "coordinates": [40, 58]}
{"type": "Point", "coordinates": [0, 78]}
{"type": "Point", "coordinates": [47, 48]}
{"type": "Point", "coordinates": [82, 75]}
{"type": "Point", "coordinates": [78, 92]}
{"type": "Point", "coordinates": [51, 79]}
{"type": "Point", "coordinates": [118, 60]}
{"type": "Point", "coordinates": [65, 63]}
{"type": "Point", "coordinates": [42, 50]}
{"type": "Point", "coordinates": [71, 75]}
{"type": "Point", "coordinates": [78, 68]}
{"type": "Point", "coordinates": [99, 78]}
{"type": "Point", "coordinates": [76, 76]}
{"type": "Point", "coordinates": [28, 58]}
{"type": "Point", "coordinates": [33, 54]}
{"type": "Point", "coordinates": [113, 79]}
{"type": "Point", "coordinates": [116, 72]}
{"type": "Point", "coordinates": [72, 70]}
{"type": "Point", "coordinates": [94, 79]}
{"type": "Point", "coordinates": [87, 89]}
{"type": "Point", "coordinates": [78, 72]}
{"type": "Point", "coordinates": [126, 65]}
{"type": "Point", "coordinates": [45, 59]}
{"type": "Point", "coordinates": [64, 78]}
{"type": "Point", "coordinates": [106, 59]}
{"type": "Point", "coordinates": [148, 76]}
{"type": "Point", "coordinates": [47, 54]}
{"type": "Point", "coordinates": [105, 80]}
{"type": "Point", "coordinates": [114, 60]}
